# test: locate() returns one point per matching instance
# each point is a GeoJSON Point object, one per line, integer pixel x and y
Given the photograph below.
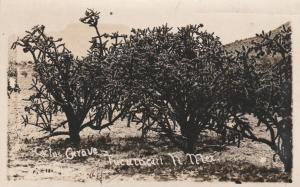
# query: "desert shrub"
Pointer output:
{"type": "Point", "coordinates": [274, 106]}
{"type": "Point", "coordinates": [265, 90]}
{"type": "Point", "coordinates": [78, 88]}
{"type": "Point", "coordinates": [175, 81]}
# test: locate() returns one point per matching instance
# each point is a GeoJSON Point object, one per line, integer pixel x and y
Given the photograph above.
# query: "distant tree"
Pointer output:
{"type": "Point", "coordinates": [12, 80]}
{"type": "Point", "coordinates": [79, 89]}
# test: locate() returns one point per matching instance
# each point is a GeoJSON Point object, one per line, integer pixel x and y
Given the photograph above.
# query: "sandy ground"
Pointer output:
{"type": "Point", "coordinates": [251, 162]}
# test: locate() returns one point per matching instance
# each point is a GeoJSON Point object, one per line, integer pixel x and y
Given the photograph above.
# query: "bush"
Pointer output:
{"type": "Point", "coordinates": [265, 90]}
{"type": "Point", "coordinates": [174, 80]}
{"type": "Point", "coordinates": [78, 88]}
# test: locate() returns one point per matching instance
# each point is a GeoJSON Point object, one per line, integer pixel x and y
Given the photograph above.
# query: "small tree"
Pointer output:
{"type": "Point", "coordinates": [80, 89]}
{"type": "Point", "coordinates": [174, 81]}
{"type": "Point", "coordinates": [265, 90]}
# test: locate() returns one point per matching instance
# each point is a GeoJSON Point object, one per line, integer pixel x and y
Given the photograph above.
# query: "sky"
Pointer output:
{"type": "Point", "coordinates": [229, 19]}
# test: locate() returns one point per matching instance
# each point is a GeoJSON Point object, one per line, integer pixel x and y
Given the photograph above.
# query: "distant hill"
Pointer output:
{"type": "Point", "coordinates": [266, 59]}
{"type": "Point", "coordinates": [237, 45]}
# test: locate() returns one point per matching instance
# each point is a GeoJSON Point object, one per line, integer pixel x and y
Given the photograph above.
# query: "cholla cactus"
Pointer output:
{"type": "Point", "coordinates": [175, 81]}
{"type": "Point", "coordinates": [79, 89]}
{"type": "Point", "coordinates": [91, 18]}
{"type": "Point", "coordinates": [265, 90]}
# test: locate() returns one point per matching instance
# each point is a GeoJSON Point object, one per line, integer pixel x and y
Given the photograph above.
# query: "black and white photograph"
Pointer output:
{"type": "Point", "coordinates": [135, 92]}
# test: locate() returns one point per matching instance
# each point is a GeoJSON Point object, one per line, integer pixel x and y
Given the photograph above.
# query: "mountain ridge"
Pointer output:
{"type": "Point", "coordinates": [237, 45]}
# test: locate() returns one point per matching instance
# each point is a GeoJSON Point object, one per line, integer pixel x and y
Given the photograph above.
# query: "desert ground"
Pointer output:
{"type": "Point", "coordinates": [250, 162]}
